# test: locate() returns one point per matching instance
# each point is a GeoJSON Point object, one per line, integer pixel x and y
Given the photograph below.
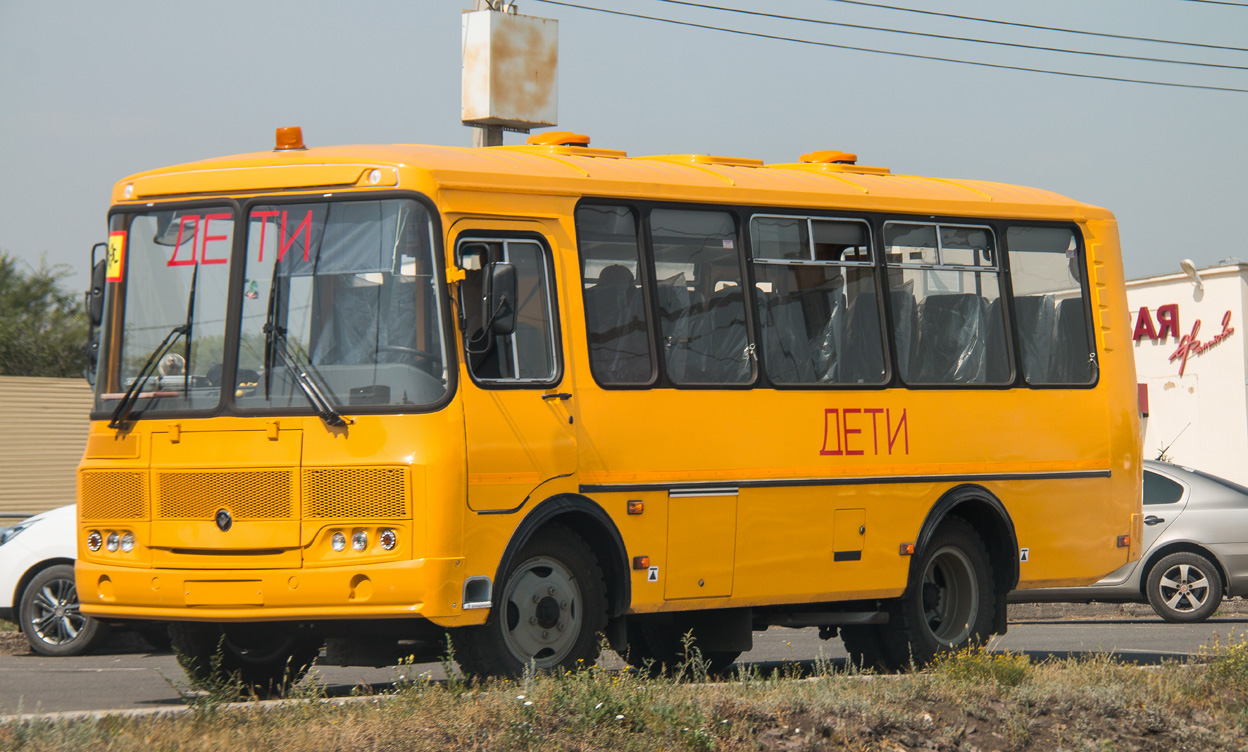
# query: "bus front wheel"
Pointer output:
{"type": "Point", "coordinates": [261, 659]}
{"type": "Point", "coordinates": [552, 608]}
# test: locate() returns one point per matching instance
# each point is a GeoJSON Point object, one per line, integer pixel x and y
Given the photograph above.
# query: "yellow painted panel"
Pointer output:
{"type": "Point", "coordinates": [223, 593]}
{"type": "Point", "coordinates": [700, 546]}
{"type": "Point", "coordinates": [850, 530]}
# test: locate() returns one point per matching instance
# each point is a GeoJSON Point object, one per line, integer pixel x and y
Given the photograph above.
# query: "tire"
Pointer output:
{"type": "Point", "coordinates": [951, 605]}
{"type": "Point", "coordinates": [1184, 588]}
{"type": "Point", "coordinates": [262, 659]}
{"type": "Point", "coordinates": [550, 610]}
{"type": "Point", "coordinates": [50, 615]}
{"type": "Point", "coordinates": [156, 635]}
{"type": "Point", "coordinates": [865, 645]}
{"type": "Point", "coordinates": [659, 649]}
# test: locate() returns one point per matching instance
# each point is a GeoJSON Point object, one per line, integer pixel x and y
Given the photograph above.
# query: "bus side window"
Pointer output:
{"type": "Point", "coordinates": [1047, 279]}
{"type": "Point", "coordinates": [616, 320]}
{"type": "Point", "coordinates": [949, 275]}
{"type": "Point", "coordinates": [818, 314]}
{"type": "Point", "coordinates": [702, 322]}
{"type": "Point", "coordinates": [529, 352]}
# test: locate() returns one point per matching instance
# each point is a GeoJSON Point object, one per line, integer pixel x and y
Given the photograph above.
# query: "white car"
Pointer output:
{"type": "Point", "coordinates": [37, 588]}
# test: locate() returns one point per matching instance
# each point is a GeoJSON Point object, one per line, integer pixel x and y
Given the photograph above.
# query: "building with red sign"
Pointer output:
{"type": "Point", "coordinates": [1190, 357]}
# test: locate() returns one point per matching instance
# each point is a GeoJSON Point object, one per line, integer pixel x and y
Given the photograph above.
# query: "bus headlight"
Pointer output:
{"type": "Point", "coordinates": [127, 541]}
{"type": "Point", "coordinates": [338, 542]}
{"type": "Point", "coordinates": [113, 542]}
{"type": "Point", "coordinates": [94, 540]}
{"type": "Point", "coordinates": [388, 539]}
{"type": "Point", "coordinates": [359, 541]}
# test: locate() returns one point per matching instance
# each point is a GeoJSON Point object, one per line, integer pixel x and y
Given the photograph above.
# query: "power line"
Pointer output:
{"type": "Point", "coordinates": [893, 53]}
{"type": "Point", "coordinates": [973, 40]}
{"type": "Point", "coordinates": [1040, 27]}
{"type": "Point", "coordinates": [1220, 2]}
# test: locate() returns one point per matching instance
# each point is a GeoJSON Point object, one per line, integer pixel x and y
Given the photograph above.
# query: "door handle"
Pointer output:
{"type": "Point", "coordinates": [558, 396]}
{"type": "Point", "coordinates": [1153, 519]}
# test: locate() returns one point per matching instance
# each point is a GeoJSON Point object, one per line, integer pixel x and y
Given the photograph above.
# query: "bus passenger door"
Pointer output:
{"type": "Point", "coordinates": [518, 402]}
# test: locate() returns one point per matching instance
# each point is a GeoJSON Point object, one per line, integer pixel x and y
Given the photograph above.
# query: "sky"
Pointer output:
{"type": "Point", "coordinates": [91, 92]}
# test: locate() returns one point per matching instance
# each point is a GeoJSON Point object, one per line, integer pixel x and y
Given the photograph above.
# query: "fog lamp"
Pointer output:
{"type": "Point", "coordinates": [127, 541]}
{"type": "Point", "coordinates": [338, 542]}
{"type": "Point", "coordinates": [94, 540]}
{"type": "Point", "coordinates": [113, 542]}
{"type": "Point", "coordinates": [388, 539]}
{"type": "Point", "coordinates": [359, 541]}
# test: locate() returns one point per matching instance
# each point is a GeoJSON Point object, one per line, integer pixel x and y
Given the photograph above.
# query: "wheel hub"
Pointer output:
{"type": "Point", "coordinates": [547, 612]}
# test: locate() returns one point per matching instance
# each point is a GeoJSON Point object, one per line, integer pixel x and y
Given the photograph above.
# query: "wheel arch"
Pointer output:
{"type": "Point", "coordinates": [984, 512]}
{"type": "Point", "coordinates": [24, 581]}
{"type": "Point", "coordinates": [588, 520]}
{"type": "Point", "coordinates": [1176, 547]}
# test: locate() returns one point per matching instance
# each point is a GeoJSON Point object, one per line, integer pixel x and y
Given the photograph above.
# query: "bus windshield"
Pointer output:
{"type": "Point", "coordinates": [338, 299]}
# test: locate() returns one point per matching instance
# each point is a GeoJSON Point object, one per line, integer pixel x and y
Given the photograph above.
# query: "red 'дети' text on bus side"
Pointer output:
{"type": "Point", "coordinates": [843, 429]}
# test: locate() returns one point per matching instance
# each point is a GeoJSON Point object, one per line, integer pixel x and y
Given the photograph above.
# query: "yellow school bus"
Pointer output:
{"type": "Point", "coordinates": [537, 396]}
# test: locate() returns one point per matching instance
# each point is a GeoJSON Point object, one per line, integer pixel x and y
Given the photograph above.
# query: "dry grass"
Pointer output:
{"type": "Point", "coordinates": [969, 701]}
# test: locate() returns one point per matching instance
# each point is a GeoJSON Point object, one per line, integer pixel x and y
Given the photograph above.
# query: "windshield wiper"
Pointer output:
{"type": "Point", "coordinates": [299, 371]}
{"type": "Point", "coordinates": [122, 411]}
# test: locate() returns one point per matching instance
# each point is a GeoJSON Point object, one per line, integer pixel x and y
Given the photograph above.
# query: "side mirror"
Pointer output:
{"type": "Point", "coordinates": [95, 296]}
{"type": "Point", "coordinates": [95, 310]}
{"type": "Point", "coordinates": [500, 297]}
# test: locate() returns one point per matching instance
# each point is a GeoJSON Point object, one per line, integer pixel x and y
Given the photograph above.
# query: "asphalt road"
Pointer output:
{"type": "Point", "coordinates": [135, 678]}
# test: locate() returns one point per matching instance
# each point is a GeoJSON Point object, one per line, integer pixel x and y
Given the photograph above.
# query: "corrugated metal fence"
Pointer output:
{"type": "Point", "coordinates": [43, 430]}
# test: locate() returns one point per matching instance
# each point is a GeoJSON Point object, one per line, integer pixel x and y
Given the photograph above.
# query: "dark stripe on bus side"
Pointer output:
{"type": "Point", "coordinates": [804, 482]}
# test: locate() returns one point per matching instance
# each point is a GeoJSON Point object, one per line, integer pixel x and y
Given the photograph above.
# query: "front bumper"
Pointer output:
{"type": "Point", "coordinates": [429, 588]}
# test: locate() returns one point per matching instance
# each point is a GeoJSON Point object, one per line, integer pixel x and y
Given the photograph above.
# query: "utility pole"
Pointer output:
{"type": "Point", "coordinates": [510, 71]}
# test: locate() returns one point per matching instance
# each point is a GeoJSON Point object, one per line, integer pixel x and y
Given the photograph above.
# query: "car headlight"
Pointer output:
{"type": "Point", "coordinates": [9, 533]}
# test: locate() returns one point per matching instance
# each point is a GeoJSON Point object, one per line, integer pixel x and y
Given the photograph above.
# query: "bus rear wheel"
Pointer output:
{"type": "Point", "coordinates": [261, 659]}
{"type": "Point", "coordinates": [552, 608]}
{"type": "Point", "coordinates": [948, 608]}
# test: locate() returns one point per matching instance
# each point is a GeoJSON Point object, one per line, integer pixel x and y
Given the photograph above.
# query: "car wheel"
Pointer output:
{"type": "Point", "coordinates": [50, 616]}
{"type": "Point", "coordinates": [1184, 587]}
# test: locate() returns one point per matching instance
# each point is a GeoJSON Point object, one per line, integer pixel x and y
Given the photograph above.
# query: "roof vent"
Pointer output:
{"type": "Point", "coordinates": [829, 157]}
{"type": "Point", "coordinates": [289, 138]}
{"type": "Point", "coordinates": [558, 138]}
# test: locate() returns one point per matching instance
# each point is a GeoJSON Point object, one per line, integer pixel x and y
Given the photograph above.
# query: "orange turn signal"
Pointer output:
{"type": "Point", "coordinates": [1124, 541]}
{"type": "Point", "coordinates": [907, 549]}
{"type": "Point", "coordinates": [636, 507]}
{"type": "Point", "coordinates": [641, 562]}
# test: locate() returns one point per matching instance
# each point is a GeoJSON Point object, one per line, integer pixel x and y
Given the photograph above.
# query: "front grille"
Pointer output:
{"type": "Point", "coordinates": [355, 493]}
{"type": "Point", "coordinates": [248, 494]}
{"type": "Point", "coordinates": [112, 495]}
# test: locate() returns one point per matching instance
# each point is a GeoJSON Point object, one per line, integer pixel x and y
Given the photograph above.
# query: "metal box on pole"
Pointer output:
{"type": "Point", "coordinates": [510, 75]}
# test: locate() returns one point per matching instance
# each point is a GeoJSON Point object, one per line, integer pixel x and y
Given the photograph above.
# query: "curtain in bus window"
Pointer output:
{"type": "Point", "coordinates": [353, 288]}
{"type": "Point", "coordinates": [615, 308]}
{"type": "Point", "coordinates": [817, 313]}
{"type": "Point", "coordinates": [1047, 279]}
{"type": "Point", "coordinates": [701, 300]}
{"type": "Point", "coordinates": [177, 272]}
{"type": "Point", "coordinates": [949, 275]}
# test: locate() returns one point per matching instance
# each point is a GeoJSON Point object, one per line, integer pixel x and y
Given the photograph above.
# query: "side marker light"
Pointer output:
{"type": "Point", "coordinates": [907, 549]}
{"type": "Point", "coordinates": [641, 562]}
{"type": "Point", "coordinates": [1124, 541]}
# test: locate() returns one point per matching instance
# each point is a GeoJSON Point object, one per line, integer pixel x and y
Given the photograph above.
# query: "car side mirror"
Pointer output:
{"type": "Point", "coordinates": [500, 297]}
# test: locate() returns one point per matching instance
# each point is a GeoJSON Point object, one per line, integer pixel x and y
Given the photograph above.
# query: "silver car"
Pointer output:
{"type": "Point", "coordinates": [1195, 549]}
